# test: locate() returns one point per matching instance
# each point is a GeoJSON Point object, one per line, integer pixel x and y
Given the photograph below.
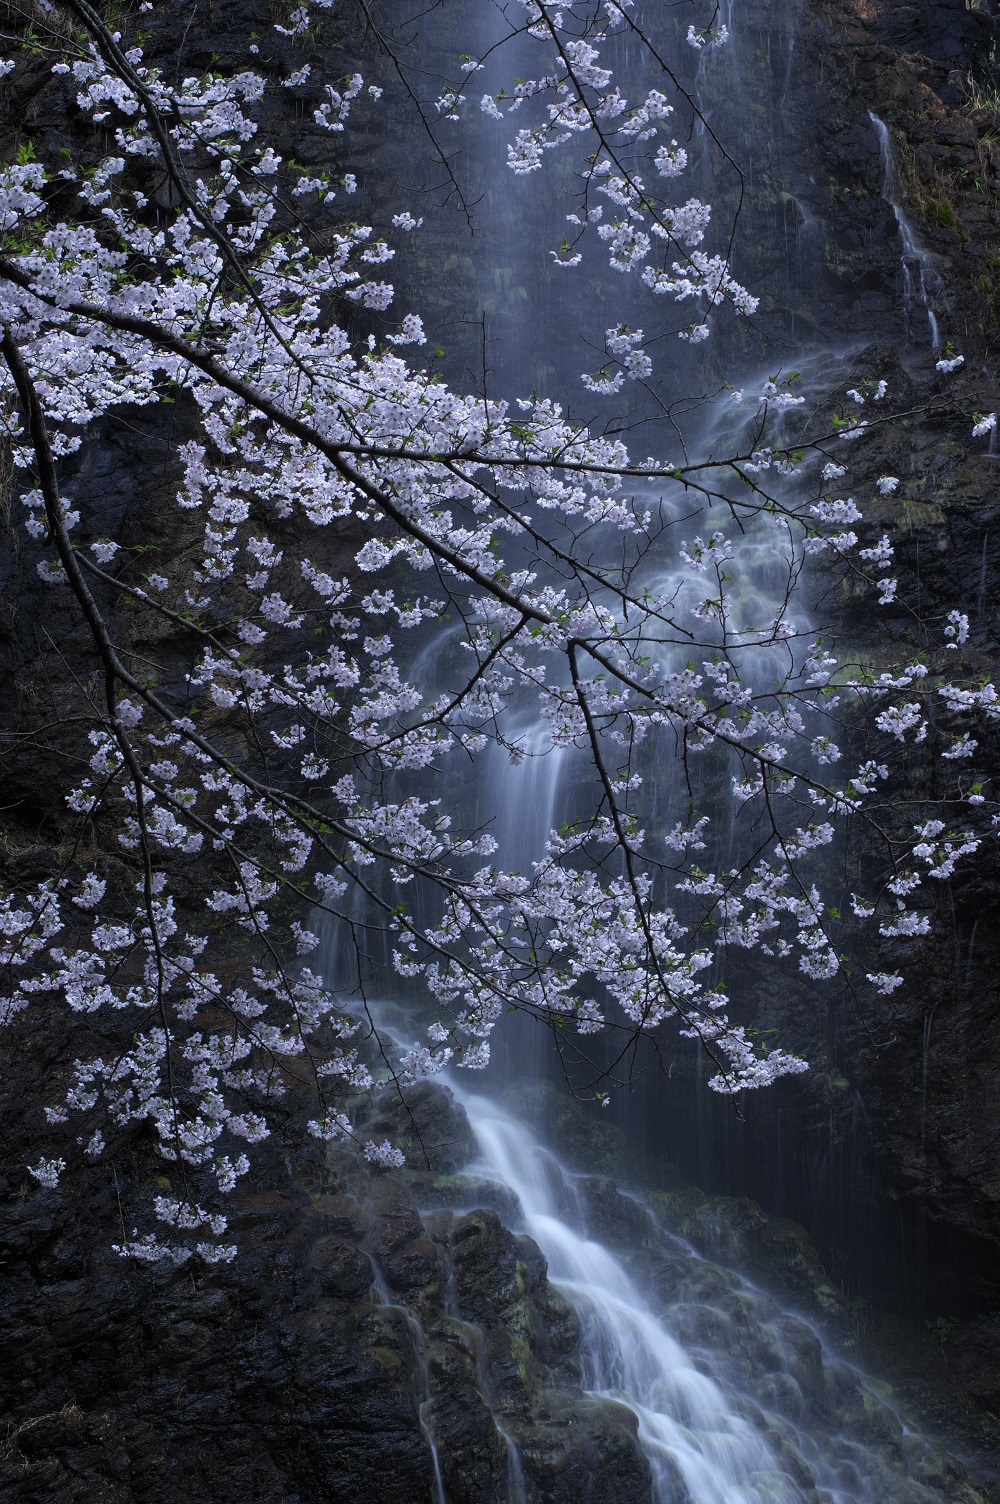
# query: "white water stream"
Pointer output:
{"type": "Point", "coordinates": [922, 282]}
{"type": "Point", "coordinates": [685, 1422]}
{"type": "Point", "coordinates": [702, 1431]}
{"type": "Point", "coordinates": [693, 1428]}
{"type": "Point", "coordinates": [737, 1400]}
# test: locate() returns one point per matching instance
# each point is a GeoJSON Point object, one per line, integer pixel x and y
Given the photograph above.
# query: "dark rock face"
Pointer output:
{"type": "Point", "coordinates": [273, 1380]}
{"type": "Point", "coordinates": [353, 1328]}
{"type": "Point", "coordinates": [926, 1065]}
{"type": "Point", "coordinates": [888, 1150]}
{"type": "Point", "coordinates": [286, 1376]}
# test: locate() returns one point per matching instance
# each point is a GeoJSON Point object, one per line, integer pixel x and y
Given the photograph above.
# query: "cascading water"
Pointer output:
{"type": "Point", "coordinates": [922, 283]}
{"type": "Point", "coordinates": [734, 1399]}
{"type": "Point", "coordinates": [685, 1423]}
{"type": "Point", "coordinates": [706, 1442]}
{"type": "Point", "coordinates": [706, 1438]}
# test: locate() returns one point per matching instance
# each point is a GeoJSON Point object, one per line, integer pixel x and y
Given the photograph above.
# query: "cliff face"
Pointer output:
{"type": "Point", "coordinates": [934, 1092]}
{"type": "Point", "coordinates": [909, 1091]}
{"type": "Point", "coordinates": [889, 1150]}
{"type": "Point", "coordinates": [313, 1368]}
{"type": "Point", "coordinates": [929, 1082]}
{"type": "Point", "coordinates": [356, 1324]}
{"type": "Point", "coordinates": [365, 1348]}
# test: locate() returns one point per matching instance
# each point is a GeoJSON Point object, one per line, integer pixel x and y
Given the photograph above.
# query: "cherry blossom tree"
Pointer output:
{"type": "Point", "coordinates": [349, 503]}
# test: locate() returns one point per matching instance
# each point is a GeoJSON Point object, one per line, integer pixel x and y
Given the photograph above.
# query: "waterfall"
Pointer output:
{"type": "Point", "coordinates": [508, 322]}
{"type": "Point", "coordinates": [628, 1354]}
{"type": "Point", "coordinates": [712, 1432]}
{"type": "Point", "coordinates": [922, 282]}
{"type": "Point", "coordinates": [736, 1400]}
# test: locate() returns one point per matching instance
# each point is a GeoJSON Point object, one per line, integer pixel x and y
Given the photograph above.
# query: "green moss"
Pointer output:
{"type": "Point", "coordinates": [919, 514]}
{"type": "Point", "coordinates": [940, 213]}
{"type": "Point", "coordinates": [386, 1358]}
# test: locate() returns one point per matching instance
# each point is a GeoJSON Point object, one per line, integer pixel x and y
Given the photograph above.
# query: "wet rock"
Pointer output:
{"type": "Point", "coordinates": [345, 1271]}
{"type": "Point", "coordinates": [465, 1191]}
{"type": "Point", "coordinates": [428, 1124]}
{"type": "Point", "coordinates": [857, 1409]}
{"type": "Point", "coordinates": [802, 1355]}
{"type": "Point", "coordinates": [587, 1450]}
{"type": "Point", "coordinates": [490, 1277]}
{"type": "Point", "coordinates": [405, 1252]}
{"type": "Point", "coordinates": [343, 1215]}
{"type": "Point", "coordinates": [472, 1455]}
{"type": "Point", "coordinates": [736, 1230]}
{"type": "Point", "coordinates": [974, 1353]}
{"type": "Point", "coordinates": [696, 1325]}
{"type": "Point", "coordinates": [617, 1219]}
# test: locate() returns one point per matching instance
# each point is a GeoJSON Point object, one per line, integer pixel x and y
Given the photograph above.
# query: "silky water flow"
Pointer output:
{"type": "Point", "coordinates": [737, 1400]}
{"type": "Point", "coordinates": [708, 1439]}
{"type": "Point", "coordinates": [922, 284]}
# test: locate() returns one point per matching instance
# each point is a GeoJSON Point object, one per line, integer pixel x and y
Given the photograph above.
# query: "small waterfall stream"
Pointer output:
{"type": "Point", "coordinates": [922, 284]}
